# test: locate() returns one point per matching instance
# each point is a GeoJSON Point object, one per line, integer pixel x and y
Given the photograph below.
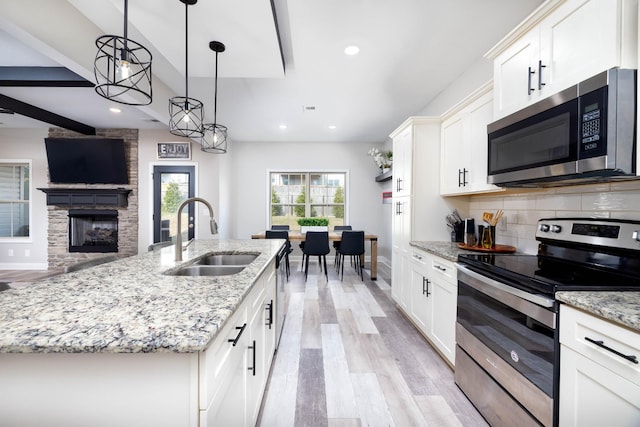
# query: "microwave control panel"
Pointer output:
{"type": "Point", "coordinates": [592, 124]}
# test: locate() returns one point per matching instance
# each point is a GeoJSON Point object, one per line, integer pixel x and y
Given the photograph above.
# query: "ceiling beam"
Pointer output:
{"type": "Point", "coordinates": [34, 112]}
{"type": "Point", "coordinates": [41, 77]}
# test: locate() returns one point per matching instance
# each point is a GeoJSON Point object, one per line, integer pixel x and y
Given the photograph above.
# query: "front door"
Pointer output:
{"type": "Point", "coordinates": [172, 185]}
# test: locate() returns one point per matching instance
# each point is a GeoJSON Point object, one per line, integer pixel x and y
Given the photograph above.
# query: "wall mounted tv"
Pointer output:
{"type": "Point", "coordinates": [87, 160]}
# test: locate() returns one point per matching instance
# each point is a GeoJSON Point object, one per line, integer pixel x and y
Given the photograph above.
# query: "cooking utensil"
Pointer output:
{"type": "Point", "coordinates": [497, 217]}
{"type": "Point", "coordinates": [488, 218]}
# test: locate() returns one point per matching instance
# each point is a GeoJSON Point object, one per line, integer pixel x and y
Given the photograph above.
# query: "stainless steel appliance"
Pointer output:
{"type": "Point", "coordinates": [582, 134]}
{"type": "Point", "coordinates": [508, 352]}
{"type": "Point", "coordinates": [281, 280]}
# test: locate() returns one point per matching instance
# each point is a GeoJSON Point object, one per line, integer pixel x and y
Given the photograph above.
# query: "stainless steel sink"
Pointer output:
{"type": "Point", "coordinates": [208, 270]}
{"type": "Point", "coordinates": [216, 265]}
{"type": "Point", "coordinates": [227, 259]}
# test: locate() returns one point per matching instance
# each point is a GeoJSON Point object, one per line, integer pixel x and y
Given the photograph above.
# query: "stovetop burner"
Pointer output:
{"type": "Point", "coordinates": [574, 254]}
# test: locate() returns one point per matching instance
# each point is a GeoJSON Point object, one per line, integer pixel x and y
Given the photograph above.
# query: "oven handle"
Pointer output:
{"type": "Point", "coordinates": [534, 298]}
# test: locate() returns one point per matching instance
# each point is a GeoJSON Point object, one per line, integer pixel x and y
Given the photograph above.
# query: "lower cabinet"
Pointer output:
{"type": "Point", "coordinates": [432, 300]}
{"type": "Point", "coordinates": [234, 369]}
{"type": "Point", "coordinates": [598, 385]}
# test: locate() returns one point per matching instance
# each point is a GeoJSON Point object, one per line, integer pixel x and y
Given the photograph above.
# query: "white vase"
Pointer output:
{"type": "Point", "coordinates": [305, 228]}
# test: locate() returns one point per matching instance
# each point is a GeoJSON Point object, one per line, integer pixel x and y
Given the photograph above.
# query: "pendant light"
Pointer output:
{"type": "Point", "coordinates": [214, 138]}
{"type": "Point", "coordinates": [122, 68]}
{"type": "Point", "coordinates": [185, 114]}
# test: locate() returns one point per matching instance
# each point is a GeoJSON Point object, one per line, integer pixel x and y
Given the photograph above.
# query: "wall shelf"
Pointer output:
{"type": "Point", "coordinates": [384, 176]}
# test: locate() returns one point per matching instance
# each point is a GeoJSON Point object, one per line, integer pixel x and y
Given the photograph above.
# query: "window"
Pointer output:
{"type": "Point", "coordinates": [307, 194]}
{"type": "Point", "coordinates": [15, 192]}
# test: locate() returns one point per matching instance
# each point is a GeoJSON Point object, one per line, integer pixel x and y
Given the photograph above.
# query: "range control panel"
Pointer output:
{"type": "Point", "coordinates": [601, 232]}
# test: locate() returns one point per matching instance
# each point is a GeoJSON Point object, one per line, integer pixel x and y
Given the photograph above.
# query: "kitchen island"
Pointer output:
{"type": "Point", "coordinates": [127, 343]}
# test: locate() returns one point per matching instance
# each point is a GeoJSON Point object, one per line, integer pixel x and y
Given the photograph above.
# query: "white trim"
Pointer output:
{"type": "Point", "coordinates": [24, 266]}
{"type": "Point", "coordinates": [347, 188]}
{"type": "Point", "coordinates": [21, 239]}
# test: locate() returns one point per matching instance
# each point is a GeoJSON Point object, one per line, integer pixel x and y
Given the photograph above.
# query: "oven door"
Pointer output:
{"type": "Point", "coordinates": [507, 337]}
{"type": "Point", "coordinates": [539, 142]}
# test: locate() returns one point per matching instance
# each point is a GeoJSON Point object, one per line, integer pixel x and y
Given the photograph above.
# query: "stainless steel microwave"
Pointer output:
{"type": "Point", "coordinates": [583, 134]}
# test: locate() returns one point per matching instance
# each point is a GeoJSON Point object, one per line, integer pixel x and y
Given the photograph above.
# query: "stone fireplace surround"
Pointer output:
{"type": "Point", "coordinates": [57, 216]}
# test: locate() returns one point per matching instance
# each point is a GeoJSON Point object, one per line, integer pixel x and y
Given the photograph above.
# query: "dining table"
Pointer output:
{"type": "Point", "coordinates": [336, 236]}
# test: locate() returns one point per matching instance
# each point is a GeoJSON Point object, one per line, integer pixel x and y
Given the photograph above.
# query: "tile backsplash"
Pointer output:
{"type": "Point", "coordinates": [523, 207]}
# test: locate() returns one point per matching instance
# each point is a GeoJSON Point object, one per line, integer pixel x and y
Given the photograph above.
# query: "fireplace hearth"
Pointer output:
{"type": "Point", "coordinates": [93, 230]}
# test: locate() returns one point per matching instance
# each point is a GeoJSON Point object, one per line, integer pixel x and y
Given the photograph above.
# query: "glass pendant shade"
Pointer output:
{"type": "Point", "coordinates": [185, 114]}
{"type": "Point", "coordinates": [185, 117]}
{"type": "Point", "coordinates": [214, 136]}
{"type": "Point", "coordinates": [122, 68]}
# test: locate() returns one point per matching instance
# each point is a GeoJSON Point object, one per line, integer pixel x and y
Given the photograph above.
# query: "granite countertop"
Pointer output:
{"type": "Point", "coordinates": [619, 307]}
{"type": "Point", "coordinates": [446, 250]}
{"type": "Point", "coordinates": [129, 305]}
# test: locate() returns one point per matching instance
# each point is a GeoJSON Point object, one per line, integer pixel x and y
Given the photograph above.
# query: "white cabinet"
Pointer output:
{"type": "Point", "coordinates": [402, 162]}
{"type": "Point", "coordinates": [433, 304]}
{"type": "Point", "coordinates": [415, 146]}
{"type": "Point", "coordinates": [463, 165]}
{"type": "Point", "coordinates": [597, 385]}
{"type": "Point", "coordinates": [444, 296]}
{"type": "Point", "coordinates": [401, 250]}
{"type": "Point", "coordinates": [560, 44]}
{"type": "Point", "coordinates": [420, 290]}
{"type": "Point", "coordinates": [234, 369]}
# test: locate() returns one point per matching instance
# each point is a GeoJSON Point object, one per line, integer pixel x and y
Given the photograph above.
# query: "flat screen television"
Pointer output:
{"type": "Point", "coordinates": [87, 160]}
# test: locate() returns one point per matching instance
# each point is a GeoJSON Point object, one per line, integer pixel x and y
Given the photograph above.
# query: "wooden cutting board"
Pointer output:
{"type": "Point", "coordinates": [498, 249]}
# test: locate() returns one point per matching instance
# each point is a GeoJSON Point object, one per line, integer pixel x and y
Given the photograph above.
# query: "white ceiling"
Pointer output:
{"type": "Point", "coordinates": [410, 50]}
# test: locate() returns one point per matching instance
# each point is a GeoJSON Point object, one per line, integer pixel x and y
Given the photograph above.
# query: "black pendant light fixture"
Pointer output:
{"type": "Point", "coordinates": [122, 68]}
{"type": "Point", "coordinates": [185, 114]}
{"type": "Point", "coordinates": [214, 137]}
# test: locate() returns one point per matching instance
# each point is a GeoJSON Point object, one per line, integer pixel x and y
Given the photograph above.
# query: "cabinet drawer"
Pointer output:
{"type": "Point", "coordinates": [577, 327]}
{"type": "Point", "coordinates": [444, 269]}
{"type": "Point", "coordinates": [419, 258]}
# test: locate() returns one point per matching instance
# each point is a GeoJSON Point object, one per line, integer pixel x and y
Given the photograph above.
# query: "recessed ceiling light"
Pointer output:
{"type": "Point", "coordinates": [351, 50]}
{"type": "Point", "coordinates": [332, 127]}
{"type": "Point", "coordinates": [283, 126]}
{"type": "Point", "coordinates": [115, 110]}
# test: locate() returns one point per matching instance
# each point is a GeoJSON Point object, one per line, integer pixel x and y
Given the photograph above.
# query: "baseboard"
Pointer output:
{"type": "Point", "coordinates": [24, 266]}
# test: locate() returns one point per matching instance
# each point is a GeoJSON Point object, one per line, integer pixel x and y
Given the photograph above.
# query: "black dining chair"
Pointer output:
{"type": "Point", "coordinates": [281, 234]}
{"type": "Point", "coordinates": [316, 243]}
{"type": "Point", "coordinates": [336, 243]}
{"type": "Point", "coordinates": [352, 245]}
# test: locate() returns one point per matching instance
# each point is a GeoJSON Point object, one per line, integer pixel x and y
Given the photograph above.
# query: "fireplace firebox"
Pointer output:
{"type": "Point", "coordinates": [93, 230]}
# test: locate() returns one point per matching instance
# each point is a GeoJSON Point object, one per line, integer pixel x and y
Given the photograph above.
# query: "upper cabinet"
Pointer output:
{"type": "Point", "coordinates": [562, 43]}
{"type": "Point", "coordinates": [463, 161]}
{"type": "Point", "coordinates": [402, 162]}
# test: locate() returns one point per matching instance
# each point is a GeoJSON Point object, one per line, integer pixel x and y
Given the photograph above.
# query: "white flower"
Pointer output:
{"type": "Point", "coordinates": [383, 159]}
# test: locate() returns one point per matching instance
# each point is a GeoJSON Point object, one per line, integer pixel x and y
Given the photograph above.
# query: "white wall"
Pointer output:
{"type": "Point", "coordinates": [28, 144]}
{"type": "Point", "coordinates": [208, 185]}
{"type": "Point", "coordinates": [251, 162]}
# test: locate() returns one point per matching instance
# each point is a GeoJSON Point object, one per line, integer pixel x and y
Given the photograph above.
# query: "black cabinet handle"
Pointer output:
{"type": "Point", "coordinates": [253, 368]}
{"type": "Point", "coordinates": [398, 186]}
{"type": "Point", "coordinates": [529, 88]}
{"type": "Point", "coordinates": [425, 287]}
{"type": "Point", "coordinates": [462, 177]}
{"type": "Point", "coordinates": [600, 344]}
{"type": "Point", "coordinates": [540, 67]}
{"type": "Point", "coordinates": [269, 309]}
{"type": "Point", "coordinates": [241, 329]}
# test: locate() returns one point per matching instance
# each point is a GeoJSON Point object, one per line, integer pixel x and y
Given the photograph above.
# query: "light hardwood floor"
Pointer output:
{"type": "Point", "coordinates": [348, 357]}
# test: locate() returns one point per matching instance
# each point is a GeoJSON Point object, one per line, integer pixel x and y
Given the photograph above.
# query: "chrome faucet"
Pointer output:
{"type": "Point", "coordinates": [213, 224]}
